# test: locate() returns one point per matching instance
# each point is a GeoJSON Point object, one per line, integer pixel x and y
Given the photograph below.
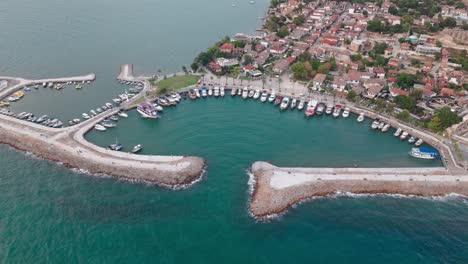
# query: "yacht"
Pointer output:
{"type": "Point", "coordinates": [397, 132]}
{"type": "Point", "coordinates": [245, 93]}
{"type": "Point", "coordinates": [147, 110]}
{"type": "Point", "coordinates": [233, 91]}
{"type": "Point", "coordinates": [221, 91]}
{"type": "Point", "coordinates": [419, 142]}
{"type": "Point", "coordinates": [272, 97]}
{"type": "Point", "coordinates": [301, 105]}
{"type": "Point", "coordinates": [360, 118]}
{"type": "Point", "coordinates": [256, 94]}
{"type": "Point", "coordinates": [122, 114]}
{"type": "Point", "coordinates": [99, 127]}
{"type": "Point", "coordinates": [337, 111]}
{"type": "Point", "coordinates": [108, 124]}
{"type": "Point", "coordinates": [210, 92]}
{"type": "Point", "coordinates": [216, 91]}
{"type": "Point", "coordinates": [284, 103]}
{"type": "Point", "coordinates": [329, 109]}
{"type": "Point", "coordinates": [346, 112]}
{"type": "Point", "coordinates": [293, 103]}
{"type": "Point", "coordinates": [137, 148]}
{"type": "Point", "coordinates": [411, 140]}
{"type": "Point", "coordinates": [424, 153]}
{"type": "Point", "coordinates": [264, 97]}
{"type": "Point", "coordinates": [404, 135]}
{"type": "Point", "coordinates": [386, 127]}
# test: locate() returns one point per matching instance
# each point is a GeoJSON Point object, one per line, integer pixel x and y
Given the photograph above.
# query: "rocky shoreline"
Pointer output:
{"type": "Point", "coordinates": [268, 199]}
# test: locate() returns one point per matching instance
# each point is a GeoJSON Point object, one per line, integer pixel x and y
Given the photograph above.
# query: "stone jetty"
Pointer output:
{"type": "Point", "coordinates": [276, 189]}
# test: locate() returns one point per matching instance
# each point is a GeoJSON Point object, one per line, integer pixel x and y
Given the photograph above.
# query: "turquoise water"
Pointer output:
{"type": "Point", "coordinates": [50, 214]}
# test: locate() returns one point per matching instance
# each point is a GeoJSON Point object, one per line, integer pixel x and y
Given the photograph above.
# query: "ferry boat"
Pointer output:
{"type": "Point", "coordinates": [245, 93]}
{"type": "Point", "coordinates": [147, 110]}
{"type": "Point", "coordinates": [216, 91]}
{"type": "Point", "coordinates": [264, 97]}
{"type": "Point", "coordinates": [99, 127]}
{"type": "Point", "coordinates": [210, 92]}
{"type": "Point", "coordinates": [404, 135]}
{"type": "Point", "coordinates": [301, 105]}
{"type": "Point", "coordinates": [221, 91]}
{"type": "Point", "coordinates": [122, 114]}
{"type": "Point", "coordinates": [256, 94]}
{"type": "Point", "coordinates": [337, 111]}
{"type": "Point", "coordinates": [398, 132]}
{"type": "Point", "coordinates": [419, 142]}
{"type": "Point", "coordinates": [424, 153]}
{"type": "Point", "coordinates": [329, 109]}
{"type": "Point", "coordinates": [346, 112]}
{"type": "Point", "coordinates": [284, 103]}
{"type": "Point", "coordinates": [278, 100]}
{"type": "Point", "coordinates": [293, 103]}
{"type": "Point", "coordinates": [137, 148]}
{"type": "Point", "coordinates": [233, 91]}
{"type": "Point", "coordinates": [320, 108]}
{"type": "Point", "coordinates": [411, 140]}
{"type": "Point", "coordinates": [375, 124]}
{"type": "Point", "coordinates": [272, 97]}
{"type": "Point", "coordinates": [197, 93]}
{"type": "Point", "coordinates": [360, 118]}
{"type": "Point", "coordinates": [385, 128]}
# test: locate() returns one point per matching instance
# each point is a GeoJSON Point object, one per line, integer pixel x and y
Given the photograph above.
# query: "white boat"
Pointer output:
{"type": "Point", "coordinates": [117, 100]}
{"type": "Point", "coordinates": [404, 135]}
{"type": "Point", "coordinates": [197, 93]}
{"type": "Point", "coordinates": [264, 97]}
{"type": "Point", "coordinates": [310, 110]}
{"type": "Point", "coordinates": [158, 107]}
{"type": "Point", "coordinates": [251, 93]}
{"type": "Point", "coordinates": [216, 91]}
{"type": "Point", "coordinates": [375, 124]}
{"type": "Point", "coordinates": [424, 153]}
{"type": "Point", "coordinates": [329, 109]}
{"type": "Point", "coordinates": [381, 125]}
{"type": "Point", "coordinates": [411, 140]}
{"type": "Point", "coordinates": [210, 92]}
{"type": "Point", "coordinates": [337, 111]}
{"type": "Point", "coordinates": [419, 142]}
{"type": "Point", "coordinates": [397, 132]}
{"type": "Point", "coordinates": [93, 112]}
{"type": "Point", "coordinates": [284, 103]}
{"type": "Point", "coordinates": [293, 103]}
{"type": "Point", "coordinates": [386, 127]}
{"type": "Point", "coordinates": [360, 118]}
{"type": "Point", "coordinates": [233, 91]}
{"type": "Point", "coordinates": [221, 91]}
{"type": "Point", "coordinates": [239, 92]}
{"type": "Point", "coordinates": [256, 94]}
{"type": "Point", "coordinates": [245, 93]}
{"type": "Point", "coordinates": [346, 112]}
{"type": "Point", "coordinates": [122, 114]}
{"type": "Point", "coordinates": [108, 124]}
{"type": "Point", "coordinates": [272, 97]}
{"type": "Point", "coordinates": [301, 105]}
{"type": "Point", "coordinates": [99, 127]}
{"type": "Point", "coordinates": [137, 148]}
{"type": "Point", "coordinates": [147, 110]}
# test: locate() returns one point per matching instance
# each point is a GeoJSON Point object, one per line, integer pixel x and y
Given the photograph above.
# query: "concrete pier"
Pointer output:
{"type": "Point", "coordinates": [276, 189]}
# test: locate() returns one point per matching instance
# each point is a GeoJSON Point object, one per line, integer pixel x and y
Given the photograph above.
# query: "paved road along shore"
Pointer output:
{"type": "Point", "coordinates": [278, 188]}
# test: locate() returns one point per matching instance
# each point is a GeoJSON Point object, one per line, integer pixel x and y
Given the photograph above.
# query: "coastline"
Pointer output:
{"type": "Point", "coordinates": [273, 194]}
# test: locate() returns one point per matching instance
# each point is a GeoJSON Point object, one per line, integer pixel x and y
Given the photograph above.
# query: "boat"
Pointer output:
{"type": "Point", "coordinates": [264, 97]}
{"type": "Point", "coordinates": [108, 124]}
{"type": "Point", "coordinates": [381, 125]}
{"type": "Point", "coordinates": [411, 140]}
{"type": "Point", "coordinates": [3, 104]}
{"type": "Point", "coordinates": [210, 92]}
{"type": "Point", "coordinates": [375, 124]}
{"type": "Point", "coordinates": [385, 128]}
{"type": "Point", "coordinates": [117, 100]}
{"type": "Point", "coordinates": [320, 108]}
{"type": "Point", "coordinates": [204, 92]}
{"type": "Point", "coordinates": [109, 105]}
{"type": "Point", "coordinates": [337, 111]}
{"type": "Point", "coordinates": [419, 142]}
{"type": "Point", "coordinates": [76, 121]}
{"type": "Point", "coordinates": [329, 109]}
{"type": "Point", "coordinates": [216, 91]}
{"type": "Point", "coordinates": [284, 103]}
{"type": "Point", "coordinates": [346, 112]}
{"type": "Point", "coordinates": [256, 94]}
{"type": "Point", "coordinates": [251, 93]}
{"type": "Point", "coordinates": [424, 153]}
{"type": "Point", "coordinates": [99, 127]}
{"type": "Point", "coordinates": [310, 110]}
{"type": "Point", "coordinates": [85, 116]}
{"type": "Point", "coordinates": [245, 93]}
{"type": "Point", "coordinates": [44, 84]}
{"type": "Point", "coordinates": [116, 146]}
{"type": "Point", "coordinates": [293, 103]}
{"type": "Point", "coordinates": [239, 92]}
{"type": "Point", "coordinates": [233, 91]}
{"type": "Point", "coordinates": [278, 100]}
{"type": "Point", "coordinates": [137, 148]}
{"type": "Point", "coordinates": [361, 118]}
{"type": "Point", "coordinates": [192, 94]}
{"type": "Point", "coordinates": [197, 93]}
{"type": "Point", "coordinates": [221, 91]}
{"type": "Point", "coordinates": [93, 113]}
{"type": "Point", "coordinates": [147, 110]}
{"type": "Point", "coordinates": [162, 101]}
{"type": "Point", "coordinates": [13, 98]}
{"type": "Point", "coordinates": [272, 97]}
{"type": "Point", "coordinates": [99, 110]}
{"type": "Point", "coordinates": [41, 119]}
{"type": "Point", "coordinates": [397, 132]}
{"type": "Point", "coordinates": [158, 107]}
{"type": "Point", "coordinates": [301, 105]}
{"type": "Point", "coordinates": [404, 135]}
{"type": "Point", "coordinates": [114, 118]}
{"type": "Point", "coordinates": [122, 114]}
{"type": "Point", "coordinates": [27, 89]}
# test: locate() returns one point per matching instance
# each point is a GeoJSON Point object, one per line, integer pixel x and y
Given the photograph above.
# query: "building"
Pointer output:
{"type": "Point", "coordinates": [427, 49]}
{"type": "Point", "coordinates": [373, 87]}
{"type": "Point", "coordinates": [318, 80]}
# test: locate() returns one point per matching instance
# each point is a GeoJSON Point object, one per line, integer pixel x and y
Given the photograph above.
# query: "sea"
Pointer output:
{"type": "Point", "coordinates": [53, 214]}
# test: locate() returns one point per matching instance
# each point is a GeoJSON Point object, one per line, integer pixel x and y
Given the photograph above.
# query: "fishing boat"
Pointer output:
{"type": "Point", "coordinates": [137, 148]}
{"type": "Point", "coordinates": [419, 142]}
{"type": "Point", "coordinates": [221, 91]}
{"type": "Point", "coordinates": [284, 103]}
{"type": "Point", "coordinates": [233, 91]}
{"type": "Point", "coordinates": [397, 132]}
{"type": "Point", "coordinates": [329, 109]}
{"type": "Point", "coordinates": [216, 91]}
{"type": "Point", "coordinates": [147, 110]}
{"type": "Point", "coordinates": [251, 93]}
{"type": "Point", "coordinates": [272, 97]}
{"type": "Point", "coordinates": [301, 105]}
{"type": "Point", "coordinates": [386, 127]}
{"type": "Point", "coordinates": [424, 153]}
{"type": "Point", "coordinates": [411, 140]}
{"type": "Point", "coordinates": [337, 111]}
{"type": "Point", "coordinates": [264, 97]}
{"type": "Point", "coordinates": [346, 112]}
{"type": "Point", "coordinates": [210, 92]}
{"type": "Point", "coordinates": [197, 93]}
{"type": "Point", "coordinates": [381, 125]}
{"type": "Point", "coordinates": [256, 94]}
{"type": "Point", "coordinates": [360, 118]}
{"type": "Point", "coordinates": [122, 114]}
{"type": "Point", "coordinates": [192, 94]}
{"type": "Point", "coordinates": [293, 103]}
{"type": "Point", "coordinates": [375, 124]}
{"type": "Point", "coordinates": [99, 127]}
{"type": "Point", "coordinates": [278, 100]}
{"type": "Point", "coordinates": [310, 110]}
{"type": "Point", "coordinates": [404, 135]}
{"type": "Point", "coordinates": [320, 108]}
{"type": "Point", "coordinates": [245, 93]}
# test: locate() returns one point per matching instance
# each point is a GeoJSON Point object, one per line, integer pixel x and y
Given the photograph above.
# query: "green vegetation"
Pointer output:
{"type": "Point", "coordinates": [461, 59]}
{"type": "Point", "coordinates": [299, 20]}
{"type": "Point", "coordinates": [175, 83]}
{"type": "Point", "coordinates": [405, 102]}
{"type": "Point", "coordinates": [306, 67]}
{"type": "Point", "coordinates": [352, 96]}
{"type": "Point", "coordinates": [407, 80]}
{"type": "Point", "coordinates": [404, 115]}
{"type": "Point", "coordinates": [212, 52]}
{"type": "Point", "coordinates": [299, 71]}
{"type": "Point", "coordinates": [443, 118]}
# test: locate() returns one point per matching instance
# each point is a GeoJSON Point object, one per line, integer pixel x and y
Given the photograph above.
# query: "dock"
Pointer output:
{"type": "Point", "coordinates": [276, 189]}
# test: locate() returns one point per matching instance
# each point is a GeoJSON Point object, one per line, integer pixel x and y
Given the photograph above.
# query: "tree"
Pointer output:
{"type": "Point", "coordinates": [194, 66]}
{"type": "Point", "coordinates": [347, 41]}
{"type": "Point", "coordinates": [305, 56]}
{"type": "Point", "coordinates": [299, 20]}
{"type": "Point", "coordinates": [365, 13]}
{"type": "Point", "coordinates": [404, 115]}
{"type": "Point", "coordinates": [393, 10]}
{"type": "Point", "coordinates": [406, 80]}
{"type": "Point", "coordinates": [282, 32]}
{"type": "Point", "coordinates": [299, 71]}
{"type": "Point", "coordinates": [352, 96]}
{"type": "Point", "coordinates": [449, 22]}
{"type": "Point", "coordinates": [248, 59]}
{"type": "Point", "coordinates": [405, 102]}
{"type": "Point", "coordinates": [322, 69]}
{"type": "Point", "coordinates": [416, 94]}
{"type": "Point", "coordinates": [443, 118]}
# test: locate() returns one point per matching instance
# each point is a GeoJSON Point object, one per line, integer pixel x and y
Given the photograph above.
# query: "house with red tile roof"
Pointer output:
{"type": "Point", "coordinates": [394, 91]}
{"type": "Point", "coordinates": [226, 47]}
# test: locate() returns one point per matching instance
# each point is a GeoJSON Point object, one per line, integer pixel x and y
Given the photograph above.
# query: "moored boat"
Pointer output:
{"type": "Point", "coordinates": [216, 91]}
{"type": "Point", "coordinates": [221, 91]}
{"type": "Point", "coordinates": [385, 128]}
{"type": "Point", "coordinates": [411, 140]}
{"type": "Point", "coordinates": [419, 142]}
{"type": "Point", "coordinates": [210, 92]}
{"type": "Point", "coordinates": [251, 93]}
{"type": "Point", "coordinates": [310, 110]}
{"type": "Point", "coordinates": [346, 112]}
{"type": "Point", "coordinates": [397, 132]}
{"type": "Point", "coordinates": [301, 104]}
{"type": "Point", "coordinates": [329, 109]}
{"type": "Point", "coordinates": [272, 97]}
{"type": "Point", "coordinates": [147, 110]}
{"type": "Point", "coordinates": [264, 97]}
{"type": "Point", "coordinates": [256, 94]}
{"type": "Point", "coordinates": [233, 91]}
{"type": "Point", "coordinates": [197, 93]}
{"type": "Point", "coordinates": [278, 99]}
{"type": "Point", "coordinates": [245, 92]}
{"type": "Point", "coordinates": [284, 103]}
{"type": "Point", "coordinates": [99, 127]}
{"type": "Point", "coordinates": [360, 118]}
{"type": "Point", "coordinates": [122, 114]}
{"type": "Point", "coordinates": [337, 111]}
{"type": "Point", "coordinates": [293, 103]}
{"type": "Point", "coordinates": [137, 148]}
{"type": "Point", "coordinates": [375, 124]}
{"type": "Point", "coordinates": [404, 135]}
{"type": "Point", "coordinates": [320, 109]}
{"type": "Point", "coordinates": [424, 153]}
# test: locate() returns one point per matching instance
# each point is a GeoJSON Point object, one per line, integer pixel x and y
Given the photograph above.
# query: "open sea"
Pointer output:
{"type": "Point", "coordinates": [51, 214]}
